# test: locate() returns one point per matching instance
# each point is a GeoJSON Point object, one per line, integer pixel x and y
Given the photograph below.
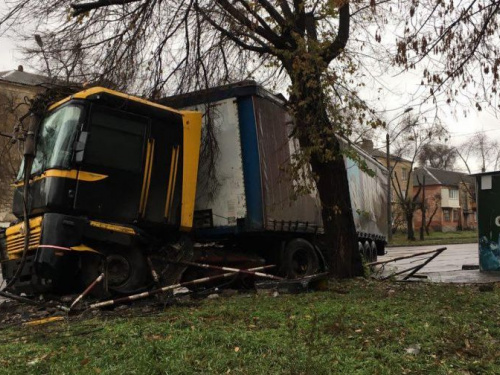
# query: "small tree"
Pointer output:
{"type": "Point", "coordinates": [483, 149]}
{"type": "Point", "coordinates": [434, 202]}
{"type": "Point", "coordinates": [415, 136]}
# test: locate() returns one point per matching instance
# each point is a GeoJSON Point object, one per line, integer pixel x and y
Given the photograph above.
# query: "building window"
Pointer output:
{"type": "Point", "coordinates": [404, 174]}
{"type": "Point", "coordinates": [446, 214]}
{"type": "Point", "coordinates": [455, 214]}
{"type": "Point", "coordinates": [453, 193]}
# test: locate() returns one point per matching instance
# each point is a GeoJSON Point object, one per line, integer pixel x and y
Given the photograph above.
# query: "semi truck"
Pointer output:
{"type": "Point", "coordinates": [121, 185]}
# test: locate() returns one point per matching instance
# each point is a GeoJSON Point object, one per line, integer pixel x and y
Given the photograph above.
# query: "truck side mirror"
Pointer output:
{"type": "Point", "coordinates": [80, 146]}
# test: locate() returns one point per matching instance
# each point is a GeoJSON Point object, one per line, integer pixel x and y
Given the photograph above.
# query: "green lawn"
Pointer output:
{"type": "Point", "coordinates": [435, 238]}
{"type": "Point", "coordinates": [355, 327]}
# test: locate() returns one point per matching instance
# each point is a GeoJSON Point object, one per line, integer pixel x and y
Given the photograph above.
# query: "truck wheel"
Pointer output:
{"type": "Point", "coordinates": [381, 248]}
{"type": "Point", "coordinates": [367, 252]}
{"type": "Point", "coordinates": [127, 270]}
{"type": "Point", "coordinates": [300, 259]}
{"type": "Point", "coordinates": [374, 251]}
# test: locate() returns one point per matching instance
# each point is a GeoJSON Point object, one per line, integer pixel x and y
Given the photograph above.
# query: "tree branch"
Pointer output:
{"type": "Point", "coordinates": [86, 7]}
{"type": "Point", "coordinates": [243, 20]}
{"type": "Point", "coordinates": [228, 34]}
{"type": "Point", "coordinates": [338, 45]}
{"type": "Point", "coordinates": [285, 8]}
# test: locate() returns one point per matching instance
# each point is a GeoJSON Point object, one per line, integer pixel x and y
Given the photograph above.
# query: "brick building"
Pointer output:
{"type": "Point", "coordinates": [401, 178]}
{"type": "Point", "coordinates": [15, 87]}
{"type": "Point", "coordinates": [449, 199]}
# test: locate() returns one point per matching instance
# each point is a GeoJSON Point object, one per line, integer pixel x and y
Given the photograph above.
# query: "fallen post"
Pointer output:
{"type": "Point", "coordinates": [86, 291]}
{"type": "Point", "coordinates": [413, 270]}
{"type": "Point", "coordinates": [221, 268]}
{"type": "Point", "coordinates": [19, 298]}
{"type": "Point", "coordinates": [134, 297]}
{"type": "Point", "coordinates": [154, 274]}
{"type": "Point", "coordinates": [399, 272]}
{"type": "Point", "coordinates": [29, 301]}
{"type": "Point", "coordinates": [438, 251]}
{"type": "Point", "coordinates": [441, 249]}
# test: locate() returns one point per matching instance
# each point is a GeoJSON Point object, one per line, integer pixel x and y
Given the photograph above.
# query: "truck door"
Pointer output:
{"type": "Point", "coordinates": [114, 155]}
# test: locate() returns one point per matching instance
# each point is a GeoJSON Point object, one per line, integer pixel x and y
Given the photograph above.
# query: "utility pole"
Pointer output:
{"type": "Point", "coordinates": [389, 180]}
{"type": "Point", "coordinates": [389, 176]}
{"type": "Point", "coordinates": [422, 227]}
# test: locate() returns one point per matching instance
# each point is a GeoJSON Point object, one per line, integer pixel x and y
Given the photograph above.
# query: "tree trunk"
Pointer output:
{"type": "Point", "coordinates": [315, 133]}
{"type": "Point", "coordinates": [409, 226]}
{"type": "Point", "coordinates": [428, 224]}
{"type": "Point", "coordinates": [422, 226]}
{"type": "Point", "coordinates": [338, 223]}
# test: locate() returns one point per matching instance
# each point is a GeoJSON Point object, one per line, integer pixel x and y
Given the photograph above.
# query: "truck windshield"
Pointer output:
{"type": "Point", "coordinates": [54, 144]}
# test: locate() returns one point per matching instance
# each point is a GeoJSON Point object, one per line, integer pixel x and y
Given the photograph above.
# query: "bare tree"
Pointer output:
{"type": "Point", "coordinates": [439, 156]}
{"type": "Point", "coordinates": [417, 135]}
{"type": "Point", "coordinates": [482, 148]}
{"type": "Point", "coordinates": [435, 203]}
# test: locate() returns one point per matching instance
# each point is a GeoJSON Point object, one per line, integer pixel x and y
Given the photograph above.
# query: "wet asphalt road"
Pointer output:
{"type": "Point", "coordinates": [451, 259]}
{"type": "Point", "coordinates": [447, 267]}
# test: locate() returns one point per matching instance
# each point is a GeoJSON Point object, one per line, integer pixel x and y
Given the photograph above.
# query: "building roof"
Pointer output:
{"type": "Point", "coordinates": [382, 154]}
{"type": "Point", "coordinates": [21, 77]}
{"type": "Point", "coordinates": [435, 176]}
{"type": "Point", "coordinates": [367, 146]}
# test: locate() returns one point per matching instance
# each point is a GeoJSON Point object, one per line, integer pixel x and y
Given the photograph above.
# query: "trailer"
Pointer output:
{"type": "Point", "coordinates": [246, 186]}
{"type": "Point", "coordinates": [121, 186]}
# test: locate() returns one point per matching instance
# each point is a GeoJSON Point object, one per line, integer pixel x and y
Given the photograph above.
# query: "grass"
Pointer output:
{"type": "Point", "coordinates": [435, 238]}
{"type": "Point", "coordinates": [355, 327]}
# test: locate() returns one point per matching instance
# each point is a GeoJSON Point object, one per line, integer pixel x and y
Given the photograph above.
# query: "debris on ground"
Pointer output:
{"type": "Point", "coordinates": [413, 349]}
{"type": "Point", "coordinates": [425, 256]}
{"type": "Point", "coordinates": [486, 287]}
{"type": "Point", "coordinates": [13, 312]}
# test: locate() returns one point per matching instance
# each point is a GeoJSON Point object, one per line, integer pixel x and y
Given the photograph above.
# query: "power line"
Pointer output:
{"type": "Point", "coordinates": [456, 134]}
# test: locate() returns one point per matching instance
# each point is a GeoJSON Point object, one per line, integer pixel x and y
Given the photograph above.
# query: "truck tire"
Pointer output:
{"type": "Point", "coordinates": [300, 259]}
{"type": "Point", "coordinates": [127, 270]}
{"type": "Point", "coordinates": [381, 248]}
{"type": "Point", "coordinates": [367, 252]}
{"type": "Point", "coordinates": [374, 252]}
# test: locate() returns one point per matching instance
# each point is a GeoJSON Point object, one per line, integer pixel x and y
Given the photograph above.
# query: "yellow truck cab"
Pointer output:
{"type": "Point", "coordinates": [108, 168]}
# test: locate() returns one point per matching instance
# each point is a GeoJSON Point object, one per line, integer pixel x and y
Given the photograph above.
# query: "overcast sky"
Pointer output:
{"type": "Point", "coordinates": [393, 102]}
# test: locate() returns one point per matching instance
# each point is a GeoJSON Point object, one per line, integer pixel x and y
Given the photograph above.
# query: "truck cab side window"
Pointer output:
{"type": "Point", "coordinates": [116, 140]}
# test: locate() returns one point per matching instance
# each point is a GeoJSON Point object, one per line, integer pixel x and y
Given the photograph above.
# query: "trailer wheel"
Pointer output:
{"type": "Point", "coordinates": [367, 251]}
{"type": "Point", "coordinates": [381, 248]}
{"type": "Point", "coordinates": [126, 270]}
{"type": "Point", "coordinates": [300, 259]}
{"type": "Point", "coordinates": [374, 252]}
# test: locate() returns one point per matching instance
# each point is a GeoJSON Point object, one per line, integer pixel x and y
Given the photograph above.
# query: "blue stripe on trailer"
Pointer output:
{"type": "Point", "coordinates": [251, 163]}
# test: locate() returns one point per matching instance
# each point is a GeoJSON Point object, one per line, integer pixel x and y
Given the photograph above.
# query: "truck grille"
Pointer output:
{"type": "Point", "coordinates": [15, 237]}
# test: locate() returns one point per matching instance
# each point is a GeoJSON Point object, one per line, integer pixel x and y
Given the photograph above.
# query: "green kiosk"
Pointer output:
{"type": "Point", "coordinates": [488, 211]}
